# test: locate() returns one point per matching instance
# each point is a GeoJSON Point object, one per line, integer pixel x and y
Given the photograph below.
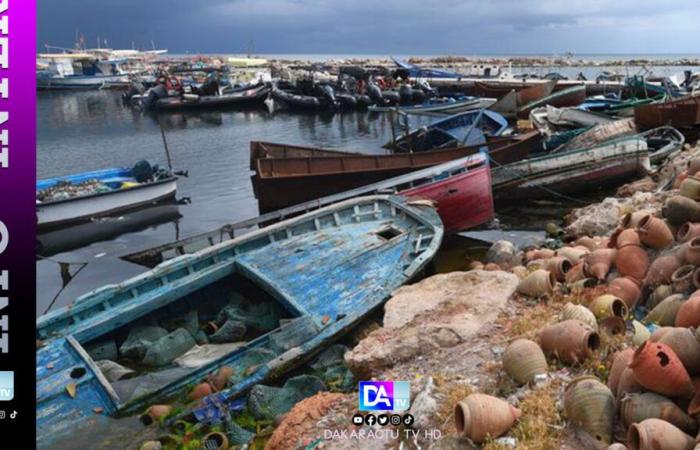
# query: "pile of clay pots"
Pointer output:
{"type": "Point", "coordinates": [648, 268]}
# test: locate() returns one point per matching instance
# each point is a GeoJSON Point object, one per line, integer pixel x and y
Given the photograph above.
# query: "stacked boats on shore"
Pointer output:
{"type": "Point", "coordinates": [338, 232]}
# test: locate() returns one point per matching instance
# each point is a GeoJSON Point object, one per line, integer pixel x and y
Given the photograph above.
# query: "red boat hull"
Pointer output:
{"type": "Point", "coordinates": [463, 200]}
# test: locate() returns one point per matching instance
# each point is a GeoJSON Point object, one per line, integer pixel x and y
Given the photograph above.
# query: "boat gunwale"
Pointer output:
{"type": "Point", "coordinates": [140, 186]}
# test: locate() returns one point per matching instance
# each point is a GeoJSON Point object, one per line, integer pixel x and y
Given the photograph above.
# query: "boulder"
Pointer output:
{"type": "Point", "coordinates": [439, 312]}
{"type": "Point", "coordinates": [504, 254]}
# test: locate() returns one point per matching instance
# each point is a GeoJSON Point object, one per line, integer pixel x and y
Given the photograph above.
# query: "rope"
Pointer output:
{"type": "Point", "coordinates": [66, 277]}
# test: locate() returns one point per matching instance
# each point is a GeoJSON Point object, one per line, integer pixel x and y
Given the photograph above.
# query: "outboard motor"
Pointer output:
{"type": "Point", "coordinates": [418, 96]}
{"type": "Point", "coordinates": [374, 92]}
{"type": "Point", "coordinates": [328, 94]}
{"type": "Point", "coordinates": [406, 94]}
{"type": "Point", "coordinates": [153, 95]}
{"type": "Point", "coordinates": [142, 171]}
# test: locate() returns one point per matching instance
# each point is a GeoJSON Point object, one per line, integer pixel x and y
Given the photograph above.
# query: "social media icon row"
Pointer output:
{"type": "Point", "coordinates": [383, 419]}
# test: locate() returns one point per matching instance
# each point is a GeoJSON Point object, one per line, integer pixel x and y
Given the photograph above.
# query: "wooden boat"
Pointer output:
{"type": "Point", "coordinates": [118, 191]}
{"type": "Point", "coordinates": [679, 113]}
{"type": "Point", "coordinates": [549, 119]}
{"type": "Point", "coordinates": [557, 174]}
{"type": "Point", "coordinates": [323, 272]}
{"type": "Point", "coordinates": [509, 104]}
{"type": "Point", "coordinates": [467, 128]}
{"type": "Point", "coordinates": [450, 105]}
{"type": "Point", "coordinates": [238, 97]}
{"type": "Point", "coordinates": [280, 182]}
{"type": "Point", "coordinates": [572, 96]}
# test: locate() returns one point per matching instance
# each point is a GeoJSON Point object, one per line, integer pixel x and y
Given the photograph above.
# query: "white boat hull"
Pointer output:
{"type": "Point", "coordinates": [81, 209]}
{"type": "Point", "coordinates": [82, 82]}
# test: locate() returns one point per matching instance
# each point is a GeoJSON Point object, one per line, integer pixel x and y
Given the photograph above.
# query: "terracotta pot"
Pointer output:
{"type": "Point", "coordinates": [626, 288]}
{"type": "Point", "coordinates": [540, 253]}
{"type": "Point", "coordinates": [631, 220]}
{"type": "Point", "coordinates": [523, 359]}
{"type": "Point", "coordinates": [661, 269]}
{"type": "Point", "coordinates": [588, 242]}
{"type": "Point", "coordinates": [598, 263]}
{"type": "Point", "coordinates": [155, 413]}
{"type": "Point", "coordinates": [200, 391]}
{"type": "Point", "coordinates": [569, 341]}
{"type": "Point", "coordinates": [573, 254]}
{"type": "Point", "coordinates": [690, 252]}
{"type": "Point", "coordinates": [575, 274]}
{"type": "Point", "coordinates": [475, 265]}
{"type": "Point", "coordinates": [657, 367]}
{"type": "Point", "coordinates": [664, 314]}
{"type": "Point", "coordinates": [657, 434]}
{"type": "Point", "coordinates": [682, 279]}
{"type": "Point", "coordinates": [538, 283]}
{"type": "Point", "coordinates": [654, 233]}
{"type": "Point", "coordinates": [220, 379]}
{"type": "Point", "coordinates": [559, 266]}
{"type": "Point", "coordinates": [580, 313]}
{"type": "Point", "coordinates": [641, 333]}
{"type": "Point", "coordinates": [608, 305]}
{"type": "Point", "coordinates": [632, 261]}
{"type": "Point", "coordinates": [690, 188]}
{"type": "Point", "coordinates": [689, 313]}
{"type": "Point", "coordinates": [480, 416]}
{"type": "Point", "coordinates": [619, 364]}
{"type": "Point", "coordinates": [658, 295]}
{"type": "Point", "coordinates": [696, 278]}
{"type": "Point", "coordinates": [659, 333]}
{"type": "Point", "coordinates": [693, 166]}
{"type": "Point", "coordinates": [637, 407]}
{"type": "Point", "coordinates": [617, 446]}
{"type": "Point", "coordinates": [683, 342]}
{"type": "Point", "coordinates": [590, 405]}
{"type": "Point", "coordinates": [613, 325]}
{"type": "Point", "coordinates": [583, 284]}
{"type": "Point", "coordinates": [627, 237]}
{"type": "Point", "coordinates": [492, 267]}
{"type": "Point", "coordinates": [215, 440]}
{"type": "Point", "coordinates": [688, 231]}
{"type": "Point", "coordinates": [627, 384]}
{"type": "Point", "coordinates": [678, 210]}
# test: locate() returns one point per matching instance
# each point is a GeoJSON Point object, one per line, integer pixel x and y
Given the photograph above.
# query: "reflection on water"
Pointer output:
{"type": "Point", "coordinates": [80, 131]}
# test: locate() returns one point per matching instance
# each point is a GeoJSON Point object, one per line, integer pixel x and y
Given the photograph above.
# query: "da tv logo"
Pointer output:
{"type": "Point", "coordinates": [385, 395]}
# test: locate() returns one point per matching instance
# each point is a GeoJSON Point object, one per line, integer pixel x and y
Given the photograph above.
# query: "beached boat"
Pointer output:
{"type": "Point", "coordinates": [679, 113]}
{"type": "Point", "coordinates": [467, 128]}
{"type": "Point", "coordinates": [281, 181]}
{"type": "Point", "coordinates": [247, 95]}
{"type": "Point", "coordinates": [571, 96]}
{"type": "Point", "coordinates": [88, 195]}
{"type": "Point", "coordinates": [558, 173]}
{"type": "Point", "coordinates": [308, 280]}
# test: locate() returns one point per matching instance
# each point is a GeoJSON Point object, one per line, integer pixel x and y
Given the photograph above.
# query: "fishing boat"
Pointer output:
{"type": "Point", "coordinates": [80, 71]}
{"type": "Point", "coordinates": [571, 96]}
{"type": "Point", "coordinates": [88, 195]}
{"type": "Point", "coordinates": [443, 106]}
{"type": "Point", "coordinates": [246, 95]}
{"type": "Point", "coordinates": [558, 173]}
{"type": "Point", "coordinates": [679, 113]}
{"type": "Point", "coordinates": [550, 120]}
{"type": "Point", "coordinates": [467, 128]}
{"type": "Point", "coordinates": [309, 279]}
{"type": "Point", "coordinates": [280, 182]}
{"type": "Point", "coordinates": [509, 104]}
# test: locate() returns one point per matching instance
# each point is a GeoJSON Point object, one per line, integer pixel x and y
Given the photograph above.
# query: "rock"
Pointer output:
{"type": "Point", "coordinates": [113, 371]}
{"type": "Point", "coordinates": [646, 184]}
{"type": "Point", "coordinates": [169, 347]}
{"type": "Point", "coordinates": [425, 406]}
{"type": "Point", "coordinates": [269, 402]}
{"type": "Point", "coordinates": [299, 427]}
{"type": "Point", "coordinates": [140, 337]}
{"type": "Point", "coordinates": [103, 350]}
{"type": "Point", "coordinates": [504, 254]}
{"type": "Point", "coordinates": [151, 445]}
{"type": "Point", "coordinates": [439, 312]}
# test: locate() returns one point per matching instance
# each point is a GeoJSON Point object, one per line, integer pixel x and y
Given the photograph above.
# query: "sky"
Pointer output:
{"type": "Point", "coordinates": [400, 27]}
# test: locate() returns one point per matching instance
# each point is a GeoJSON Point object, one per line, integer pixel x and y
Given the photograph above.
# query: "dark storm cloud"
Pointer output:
{"type": "Point", "coordinates": [377, 27]}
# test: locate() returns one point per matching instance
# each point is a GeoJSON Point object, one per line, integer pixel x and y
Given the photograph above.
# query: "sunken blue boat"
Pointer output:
{"type": "Point", "coordinates": [463, 129]}
{"type": "Point", "coordinates": [325, 270]}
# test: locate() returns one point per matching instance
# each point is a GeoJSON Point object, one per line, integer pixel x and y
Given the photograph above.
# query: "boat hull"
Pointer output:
{"type": "Point", "coordinates": [82, 82]}
{"type": "Point", "coordinates": [252, 96]}
{"type": "Point", "coordinates": [681, 113]}
{"type": "Point", "coordinates": [570, 172]}
{"type": "Point", "coordinates": [82, 209]}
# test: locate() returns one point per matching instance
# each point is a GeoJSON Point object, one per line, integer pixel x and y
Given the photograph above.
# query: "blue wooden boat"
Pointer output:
{"type": "Point", "coordinates": [83, 196]}
{"type": "Point", "coordinates": [464, 129]}
{"type": "Point", "coordinates": [326, 269]}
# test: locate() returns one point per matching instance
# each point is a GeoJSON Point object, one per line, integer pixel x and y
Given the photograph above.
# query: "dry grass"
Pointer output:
{"type": "Point", "coordinates": [451, 393]}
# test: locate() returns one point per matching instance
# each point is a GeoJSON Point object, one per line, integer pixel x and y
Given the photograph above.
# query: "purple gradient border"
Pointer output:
{"type": "Point", "coordinates": [17, 211]}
